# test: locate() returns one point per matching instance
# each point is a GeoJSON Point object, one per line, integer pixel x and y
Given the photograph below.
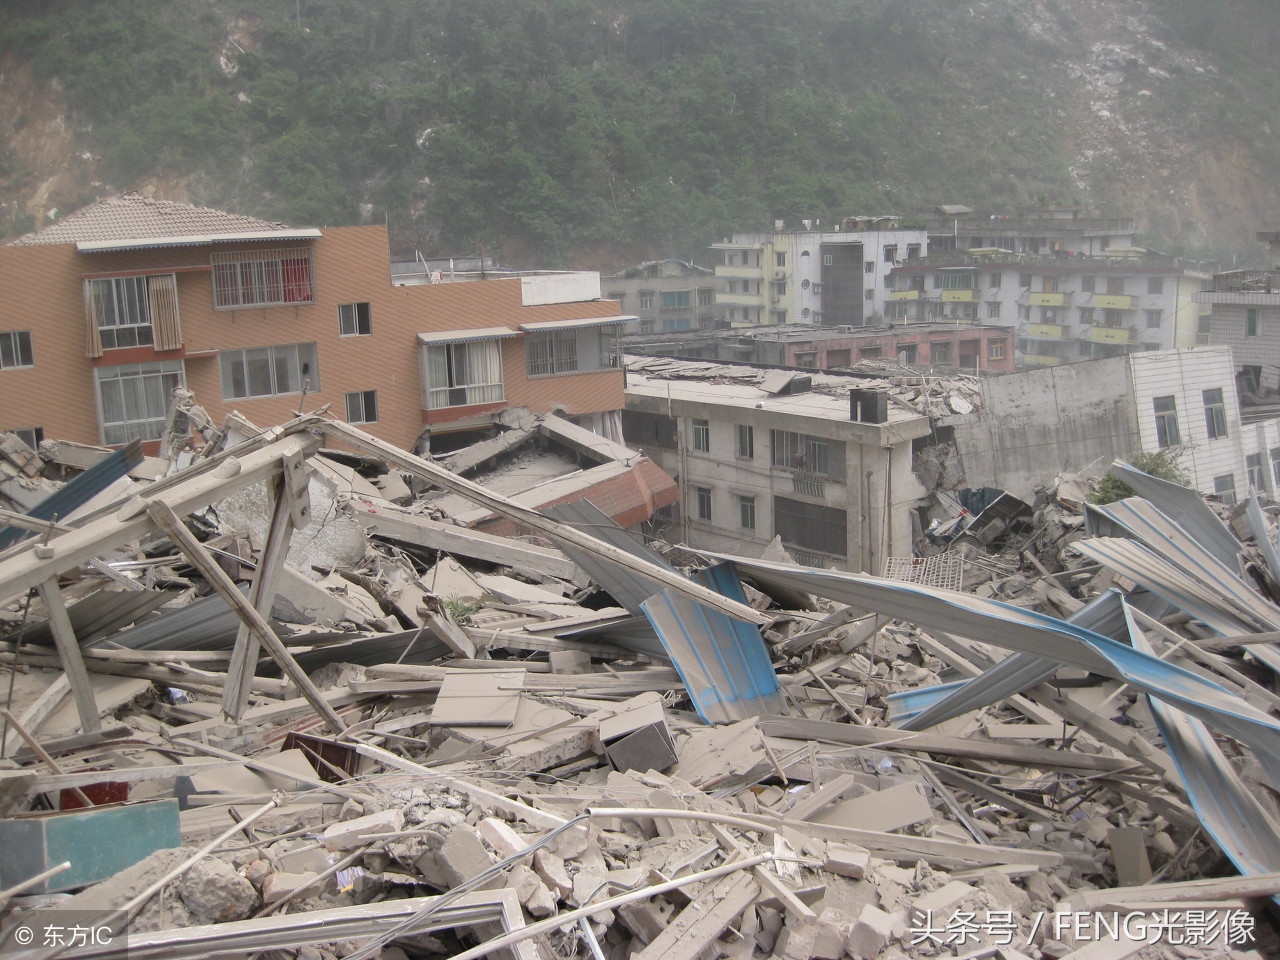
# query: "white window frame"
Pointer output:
{"type": "Point", "coordinates": [1168, 431]}
{"type": "Point", "coordinates": [122, 309]}
{"type": "Point", "coordinates": [700, 432]}
{"type": "Point", "coordinates": [133, 399]}
{"type": "Point", "coordinates": [1215, 413]}
{"type": "Point", "coordinates": [462, 374]}
{"type": "Point", "coordinates": [355, 319]}
{"type": "Point", "coordinates": [287, 367]}
{"type": "Point", "coordinates": [702, 503]}
{"type": "Point", "coordinates": [746, 512]}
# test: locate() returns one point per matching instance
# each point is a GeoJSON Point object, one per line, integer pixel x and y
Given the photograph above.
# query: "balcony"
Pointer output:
{"type": "Point", "coordinates": [905, 295]}
{"type": "Point", "coordinates": [959, 296]}
{"type": "Point", "coordinates": [1114, 301]}
{"type": "Point", "coordinates": [740, 273]}
{"type": "Point", "coordinates": [1111, 335]}
{"type": "Point", "coordinates": [1046, 331]}
{"type": "Point", "coordinates": [1041, 360]}
{"type": "Point", "coordinates": [739, 300]}
{"type": "Point", "coordinates": [1049, 300]}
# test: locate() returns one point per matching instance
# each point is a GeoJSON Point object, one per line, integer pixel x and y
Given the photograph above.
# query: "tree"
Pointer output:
{"type": "Point", "coordinates": [1164, 464]}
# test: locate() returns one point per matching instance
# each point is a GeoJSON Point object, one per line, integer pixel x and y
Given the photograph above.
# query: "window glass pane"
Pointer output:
{"type": "Point", "coordinates": [257, 363]}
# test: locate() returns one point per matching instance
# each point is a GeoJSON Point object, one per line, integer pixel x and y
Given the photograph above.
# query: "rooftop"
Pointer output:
{"type": "Point", "coordinates": [133, 217]}
{"type": "Point", "coordinates": [737, 385]}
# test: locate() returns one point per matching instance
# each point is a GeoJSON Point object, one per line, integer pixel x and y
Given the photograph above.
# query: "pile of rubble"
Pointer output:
{"type": "Point", "coordinates": [345, 702]}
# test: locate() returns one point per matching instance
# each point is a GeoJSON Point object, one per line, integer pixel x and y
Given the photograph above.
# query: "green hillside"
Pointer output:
{"type": "Point", "coordinates": [580, 132]}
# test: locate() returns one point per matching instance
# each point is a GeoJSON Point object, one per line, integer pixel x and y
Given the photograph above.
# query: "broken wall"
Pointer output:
{"type": "Point", "coordinates": [1039, 422]}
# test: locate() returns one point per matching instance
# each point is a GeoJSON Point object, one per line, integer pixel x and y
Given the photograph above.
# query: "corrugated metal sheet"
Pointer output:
{"type": "Point", "coordinates": [101, 614]}
{"type": "Point", "coordinates": [723, 662]}
{"type": "Point", "coordinates": [1044, 636]}
{"type": "Point", "coordinates": [1262, 534]}
{"type": "Point", "coordinates": [1184, 506]}
{"type": "Point", "coordinates": [920, 709]}
{"type": "Point", "coordinates": [79, 490]}
{"type": "Point", "coordinates": [1230, 814]}
{"type": "Point", "coordinates": [1146, 524]}
{"type": "Point", "coordinates": [1131, 559]}
{"type": "Point", "coordinates": [629, 589]}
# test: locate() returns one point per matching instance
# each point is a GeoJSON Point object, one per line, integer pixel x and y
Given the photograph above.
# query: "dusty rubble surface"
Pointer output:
{"type": "Point", "coordinates": [424, 741]}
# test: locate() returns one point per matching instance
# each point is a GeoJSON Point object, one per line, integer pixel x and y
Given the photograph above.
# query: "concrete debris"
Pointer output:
{"type": "Point", "coordinates": [447, 703]}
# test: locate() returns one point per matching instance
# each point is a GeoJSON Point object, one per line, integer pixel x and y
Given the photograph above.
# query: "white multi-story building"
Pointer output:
{"type": "Point", "coordinates": [833, 278]}
{"type": "Point", "coordinates": [831, 477]}
{"type": "Point", "coordinates": [1067, 307]}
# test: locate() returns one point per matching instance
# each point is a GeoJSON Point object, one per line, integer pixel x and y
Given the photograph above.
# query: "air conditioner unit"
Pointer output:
{"type": "Point", "coordinates": [779, 274]}
{"type": "Point", "coordinates": [817, 288]}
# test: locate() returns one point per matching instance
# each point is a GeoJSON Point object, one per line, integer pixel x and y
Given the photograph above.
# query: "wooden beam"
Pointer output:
{"type": "Point", "coordinates": [430, 534]}
{"type": "Point", "coordinates": [262, 594]}
{"type": "Point", "coordinates": [64, 636]}
{"type": "Point", "coordinates": [164, 518]}
{"type": "Point", "coordinates": [183, 493]}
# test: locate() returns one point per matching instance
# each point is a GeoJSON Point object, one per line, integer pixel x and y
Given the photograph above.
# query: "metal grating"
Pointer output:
{"type": "Point", "coordinates": [944, 571]}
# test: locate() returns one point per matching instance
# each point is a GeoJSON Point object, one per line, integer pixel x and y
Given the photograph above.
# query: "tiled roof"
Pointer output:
{"type": "Point", "coordinates": [134, 217]}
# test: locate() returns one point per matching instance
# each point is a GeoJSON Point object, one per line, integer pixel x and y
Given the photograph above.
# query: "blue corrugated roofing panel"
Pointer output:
{"type": "Point", "coordinates": [723, 662]}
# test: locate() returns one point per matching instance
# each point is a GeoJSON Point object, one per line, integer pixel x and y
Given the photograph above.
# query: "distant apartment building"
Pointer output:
{"type": "Point", "coordinates": [830, 475]}
{"type": "Point", "coordinates": [665, 296]}
{"type": "Point", "coordinates": [115, 305]}
{"type": "Point", "coordinates": [938, 347]}
{"type": "Point", "coordinates": [828, 278]}
{"type": "Point", "coordinates": [1066, 307]}
{"type": "Point", "coordinates": [1244, 314]}
{"type": "Point", "coordinates": [1044, 231]}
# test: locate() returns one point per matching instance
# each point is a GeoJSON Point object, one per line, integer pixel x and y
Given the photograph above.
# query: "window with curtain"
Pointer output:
{"type": "Point", "coordinates": [133, 399]}
{"type": "Point", "coordinates": [461, 374]}
{"type": "Point", "coordinates": [139, 311]}
{"type": "Point", "coordinates": [262, 278]}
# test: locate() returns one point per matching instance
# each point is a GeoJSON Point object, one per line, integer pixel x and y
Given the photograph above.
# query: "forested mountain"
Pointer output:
{"type": "Point", "coordinates": [595, 133]}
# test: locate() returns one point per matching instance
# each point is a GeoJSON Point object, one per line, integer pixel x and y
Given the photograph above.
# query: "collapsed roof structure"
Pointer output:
{"type": "Point", "coordinates": [336, 699]}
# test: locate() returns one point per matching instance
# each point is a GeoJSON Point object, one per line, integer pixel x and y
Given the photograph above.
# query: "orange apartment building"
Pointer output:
{"type": "Point", "coordinates": [112, 307]}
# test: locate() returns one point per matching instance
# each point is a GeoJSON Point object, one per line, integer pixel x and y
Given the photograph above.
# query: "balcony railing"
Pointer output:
{"type": "Point", "coordinates": [1114, 301]}
{"type": "Point", "coordinates": [1111, 335]}
{"type": "Point", "coordinates": [1247, 281]}
{"type": "Point", "coordinates": [1046, 331]}
{"type": "Point", "coordinates": [1049, 299]}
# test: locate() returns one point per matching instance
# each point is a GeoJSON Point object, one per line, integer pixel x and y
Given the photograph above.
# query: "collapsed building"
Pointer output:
{"type": "Point", "coordinates": [332, 698]}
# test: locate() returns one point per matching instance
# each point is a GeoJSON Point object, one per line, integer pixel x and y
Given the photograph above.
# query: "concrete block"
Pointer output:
{"type": "Point", "coordinates": [796, 941]}
{"type": "Point", "coordinates": [1129, 851]}
{"type": "Point", "coordinates": [463, 855]}
{"type": "Point", "coordinates": [847, 861]}
{"type": "Point", "coordinates": [499, 835]}
{"type": "Point", "coordinates": [871, 934]}
{"type": "Point", "coordinates": [551, 869]}
{"type": "Point", "coordinates": [570, 661]}
{"type": "Point", "coordinates": [214, 892]}
{"type": "Point", "coordinates": [646, 919]}
{"type": "Point", "coordinates": [531, 891]}
{"type": "Point", "coordinates": [347, 834]}
{"type": "Point", "coordinates": [278, 886]}
{"type": "Point", "coordinates": [943, 900]}
{"type": "Point", "coordinates": [649, 748]}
